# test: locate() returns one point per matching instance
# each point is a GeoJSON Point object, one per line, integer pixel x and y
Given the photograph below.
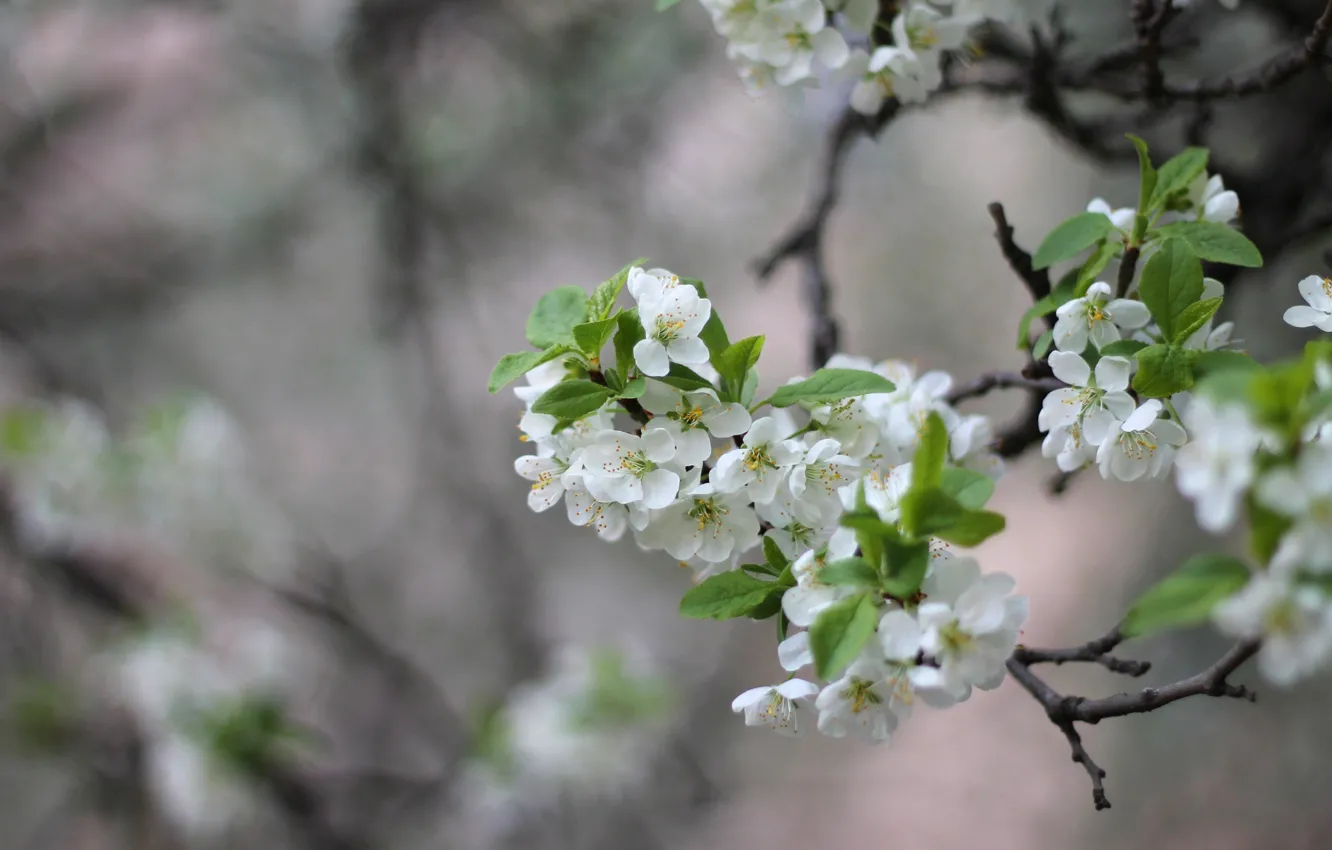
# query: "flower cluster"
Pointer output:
{"type": "Point", "coordinates": [180, 474]}
{"type": "Point", "coordinates": [581, 731]}
{"type": "Point", "coordinates": [785, 42]}
{"type": "Point", "coordinates": [707, 475]}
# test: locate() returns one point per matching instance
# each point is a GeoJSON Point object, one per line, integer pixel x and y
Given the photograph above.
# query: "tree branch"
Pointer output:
{"type": "Point", "coordinates": [1066, 711]}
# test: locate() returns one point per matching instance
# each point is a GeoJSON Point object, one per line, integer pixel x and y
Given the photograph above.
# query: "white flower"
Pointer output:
{"type": "Point", "coordinates": [900, 639]}
{"type": "Point", "coordinates": [705, 523]}
{"type": "Point", "coordinates": [1096, 317]}
{"type": "Point", "coordinates": [1293, 623]}
{"type": "Point", "coordinates": [1122, 218]}
{"type": "Point", "coordinates": [859, 702]}
{"type": "Point", "coordinates": [1217, 465]}
{"type": "Point", "coordinates": [858, 14]}
{"type": "Point", "coordinates": [969, 445]}
{"type": "Point", "coordinates": [1096, 404]}
{"type": "Point", "coordinates": [1304, 493]}
{"type": "Point", "coordinates": [737, 20]}
{"type": "Point", "coordinates": [759, 466]}
{"type": "Point", "coordinates": [905, 420]}
{"type": "Point", "coordinates": [1142, 446]}
{"type": "Point", "coordinates": [690, 417]}
{"type": "Point", "coordinates": [792, 534]}
{"type": "Point", "coordinates": [796, 35]}
{"type": "Point", "coordinates": [776, 707]}
{"type": "Point", "coordinates": [672, 319]}
{"type": "Point", "coordinates": [1069, 447]}
{"type": "Point", "coordinates": [548, 474]}
{"type": "Point", "coordinates": [1207, 337]}
{"type": "Point", "coordinates": [876, 76]}
{"type": "Point", "coordinates": [610, 519]}
{"type": "Point", "coordinates": [1318, 292]}
{"type": "Point", "coordinates": [650, 284]}
{"type": "Point", "coordinates": [202, 795]}
{"type": "Point", "coordinates": [883, 491]}
{"type": "Point", "coordinates": [623, 468]}
{"type": "Point", "coordinates": [803, 603]}
{"type": "Point", "coordinates": [973, 637]}
{"type": "Point", "coordinates": [795, 652]}
{"type": "Point", "coordinates": [850, 423]}
{"type": "Point", "coordinates": [1211, 200]}
{"type": "Point", "coordinates": [922, 28]}
{"type": "Point", "coordinates": [816, 478]}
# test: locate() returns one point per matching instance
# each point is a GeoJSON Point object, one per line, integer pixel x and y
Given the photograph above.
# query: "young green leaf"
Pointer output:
{"type": "Point", "coordinates": [850, 572]}
{"type": "Point", "coordinates": [1163, 370]}
{"type": "Point", "coordinates": [906, 565]}
{"type": "Point", "coordinates": [1187, 596]}
{"type": "Point", "coordinates": [1209, 363]}
{"type": "Point", "coordinates": [592, 336]}
{"type": "Point", "coordinates": [1071, 238]}
{"type": "Point", "coordinates": [971, 489]}
{"type": "Point", "coordinates": [511, 367]}
{"type": "Point", "coordinates": [840, 631]}
{"type": "Point", "coordinates": [628, 331]}
{"type": "Point", "coordinates": [1091, 270]}
{"type": "Point", "coordinates": [973, 528]}
{"type": "Point", "coordinates": [1171, 281]}
{"type": "Point", "coordinates": [830, 385]}
{"type": "Point", "coordinates": [1194, 317]}
{"type": "Point", "coordinates": [572, 399]}
{"type": "Point", "coordinates": [554, 316]}
{"type": "Point", "coordinates": [1042, 346]}
{"type": "Point", "coordinates": [684, 378]}
{"type": "Point", "coordinates": [928, 463]}
{"type": "Point", "coordinates": [1146, 180]}
{"type": "Point", "coordinates": [748, 391]}
{"type": "Point", "coordinates": [663, 5]}
{"type": "Point", "coordinates": [734, 364]}
{"type": "Point", "coordinates": [634, 389]}
{"type": "Point", "coordinates": [1176, 174]}
{"type": "Point", "coordinates": [1123, 348]}
{"type": "Point", "coordinates": [724, 596]}
{"type": "Point", "coordinates": [772, 553]}
{"type": "Point", "coordinates": [1042, 308]}
{"type": "Point", "coordinates": [934, 513]}
{"type": "Point", "coordinates": [1216, 243]}
{"type": "Point", "coordinates": [602, 303]}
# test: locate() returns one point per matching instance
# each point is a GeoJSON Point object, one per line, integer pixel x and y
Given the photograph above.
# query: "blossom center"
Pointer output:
{"type": "Point", "coordinates": [758, 458]}
{"type": "Point", "coordinates": [1138, 444]}
{"type": "Point", "coordinates": [954, 639]}
{"type": "Point", "coordinates": [707, 512]}
{"type": "Point", "coordinates": [861, 694]}
{"type": "Point", "coordinates": [691, 418]}
{"type": "Point", "coordinates": [667, 329]}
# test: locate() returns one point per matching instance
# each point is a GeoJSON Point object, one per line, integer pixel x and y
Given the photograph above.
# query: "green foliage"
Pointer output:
{"type": "Point", "coordinates": [511, 367]}
{"type": "Point", "coordinates": [971, 489]}
{"type": "Point", "coordinates": [1163, 370]}
{"type": "Point", "coordinates": [840, 631]}
{"type": "Point", "coordinates": [1042, 346]}
{"type": "Point", "coordinates": [602, 303]}
{"type": "Point", "coordinates": [572, 399]}
{"type": "Point", "coordinates": [663, 5]}
{"type": "Point", "coordinates": [1071, 238]}
{"type": "Point", "coordinates": [928, 463]}
{"type": "Point", "coordinates": [1060, 295]}
{"type": "Point", "coordinates": [247, 733]}
{"type": "Point", "coordinates": [1194, 316]}
{"type": "Point", "coordinates": [850, 572]}
{"type": "Point", "coordinates": [554, 316]}
{"type": "Point", "coordinates": [904, 566]}
{"type": "Point", "coordinates": [22, 432]}
{"type": "Point", "coordinates": [1187, 596]}
{"type": "Point", "coordinates": [1209, 363]}
{"type": "Point", "coordinates": [628, 332]}
{"type": "Point", "coordinates": [1216, 243]}
{"type": "Point", "coordinates": [1123, 348]}
{"type": "Point", "coordinates": [616, 698]}
{"type": "Point", "coordinates": [1176, 174]}
{"type": "Point", "coordinates": [826, 386]}
{"type": "Point", "coordinates": [634, 389]}
{"type": "Point", "coordinates": [1091, 270]}
{"type": "Point", "coordinates": [684, 378]}
{"type": "Point", "coordinates": [1146, 186]}
{"type": "Point", "coordinates": [591, 337]}
{"type": "Point", "coordinates": [724, 596]}
{"type": "Point", "coordinates": [734, 363]}
{"type": "Point", "coordinates": [933, 513]}
{"type": "Point", "coordinates": [1171, 281]}
{"type": "Point", "coordinates": [778, 563]}
{"type": "Point", "coordinates": [43, 716]}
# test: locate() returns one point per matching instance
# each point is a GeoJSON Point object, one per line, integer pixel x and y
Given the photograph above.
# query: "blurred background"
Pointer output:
{"type": "Point", "coordinates": [332, 217]}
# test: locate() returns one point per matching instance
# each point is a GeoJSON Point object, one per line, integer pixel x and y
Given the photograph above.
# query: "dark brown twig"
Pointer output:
{"type": "Point", "coordinates": [991, 381]}
{"type": "Point", "coordinates": [1065, 711]}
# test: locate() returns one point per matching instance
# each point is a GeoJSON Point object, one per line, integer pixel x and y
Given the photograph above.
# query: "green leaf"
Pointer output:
{"type": "Point", "coordinates": [750, 388]}
{"type": "Point", "coordinates": [591, 337]}
{"type": "Point", "coordinates": [1194, 317]}
{"type": "Point", "coordinates": [1091, 270]}
{"type": "Point", "coordinates": [1171, 281]}
{"type": "Point", "coordinates": [511, 367]}
{"type": "Point", "coordinates": [22, 431]}
{"type": "Point", "coordinates": [1216, 243]}
{"type": "Point", "coordinates": [684, 378]}
{"type": "Point", "coordinates": [1266, 529]}
{"type": "Point", "coordinates": [724, 596]}
{"type": "Point", "coordinates": [1163, 370]}
{"type": "Point", "coordinates": [734, 364]}
{"type": "Point", "coordinates": [1146, 180]}
{"type": "Point", "coordinates": [554, 316]}
{"type": "Point", "coordinates": [1176, 174]}
{"type": "Point", "coordinates": [628, 332]}
{"type": "Point", "coordinates": [772, 553]}
{"type": "Point", "coordinates": [971, 489]}
{"type": "Point", "coordinates": [602, 303]}
{"type": "Point", "coordinates": [1071, 238]}
{"type": "Point", "coordinates": [714, 332]}
{"type": "Point", "coordinates": [907, 564]}
{"type": "Point", "coordinates": [934, 513]}
{"type": "Point", "coordinates": [634, 389]}
{"type": "Point", "coordinates": [572, 399]}
{"type": "Point", "coordinates": [770, 606]}
{"type": "Point", "coordinates": [1209, 363]}
{"type": "Point", "coordinates": [1187, 596]}
{"type": "Point", "coordinates": [663, 5]}
{"type": "Point", "coordinates": [850, 572]}
{"type": "Point", "coordinates": [928, 462]}
{"type": "Point", "coordinates": [1123, 348]}
{"type": "Point", "coordinates": [1042, 346]}
{"type": "Point", "coordinates": [1039, 310]}
{"type": "Point", "coordinates": [831, 385]}
{"type": "Point", "coordinates": [840, 631]}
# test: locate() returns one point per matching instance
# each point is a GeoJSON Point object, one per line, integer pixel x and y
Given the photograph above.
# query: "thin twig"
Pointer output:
{"type": "Point", "coordinates": [991, 381]}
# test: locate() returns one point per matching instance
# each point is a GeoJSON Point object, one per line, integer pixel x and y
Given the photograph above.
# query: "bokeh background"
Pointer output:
{"type": "Point", "coordinates": [334, 217]}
